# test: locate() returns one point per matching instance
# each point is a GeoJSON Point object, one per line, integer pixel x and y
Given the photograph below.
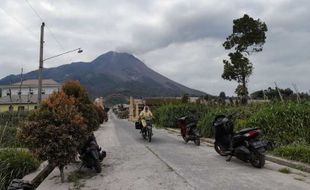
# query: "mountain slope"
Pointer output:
{"type": "Point", "coordinates": [112, 73]}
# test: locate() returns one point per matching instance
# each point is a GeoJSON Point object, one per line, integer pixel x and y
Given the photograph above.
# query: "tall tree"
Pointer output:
{"type": "Point", "coordinates": [222, 97]}
{"type": "Point", "coordinates": [248, 36]}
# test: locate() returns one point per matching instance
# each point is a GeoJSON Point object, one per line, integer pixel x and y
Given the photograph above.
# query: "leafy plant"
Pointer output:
{"type": "Point", "coordinates": [54, 131]}
{"type": "Point", "coordinates": [85, 106]}
{"type": "Point", "coordinates": [15, 163]}
{"type": "Point", "coordinates": [294, 152]}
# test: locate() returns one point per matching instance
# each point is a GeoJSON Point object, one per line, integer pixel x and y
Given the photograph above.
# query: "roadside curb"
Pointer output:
{"type": "Point", "coordinates": [281, 161]}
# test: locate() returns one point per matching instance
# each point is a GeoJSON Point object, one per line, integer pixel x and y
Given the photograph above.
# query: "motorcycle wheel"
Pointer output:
{"type": "Point", "coordinates": [219, 149]}
{"type": "Point", "coordinates": [257, 160]}
{"type": "Point", "coordinates": [185, 139]}
{"type": "Point", "coordinates": [97, 166]}
{"type": "Point", "coordinates": [149, 135]}
{"type": "Point", "coordinates": [143, 134]}
{"type": "Point", "coordinates": [197, 141]}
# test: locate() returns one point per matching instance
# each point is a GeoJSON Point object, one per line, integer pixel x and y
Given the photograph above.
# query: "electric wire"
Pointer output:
{"type": "Point", "coordinates": [20, 24]}
{"type": "Point", "coordinates": [50, 31]}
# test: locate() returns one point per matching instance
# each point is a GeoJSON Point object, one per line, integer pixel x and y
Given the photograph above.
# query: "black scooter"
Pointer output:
{"type": "Point", "coordinates": [244, 144]}
{"type": "Point", "coordinates": [188, 129]}
{"type": "Point", "coordinates": [91, 154]}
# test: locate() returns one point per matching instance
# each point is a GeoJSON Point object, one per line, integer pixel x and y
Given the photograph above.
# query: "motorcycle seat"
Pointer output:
{"type": "Point", "coordinates": [246, 130]}
{"type": "Point", "coordinates": [182, 118]}
{"type": "Point", "coordinates": [191, 125]}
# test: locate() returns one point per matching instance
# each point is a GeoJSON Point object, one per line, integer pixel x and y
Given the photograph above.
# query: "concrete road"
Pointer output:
{"type": "Point", "coordinates": [168, 163]}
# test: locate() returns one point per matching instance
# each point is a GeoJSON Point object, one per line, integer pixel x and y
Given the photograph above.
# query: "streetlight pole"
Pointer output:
{"type": "Point", "coordinates": [41, 64]}
{"type": "Point", "coordinates": [41, 60]}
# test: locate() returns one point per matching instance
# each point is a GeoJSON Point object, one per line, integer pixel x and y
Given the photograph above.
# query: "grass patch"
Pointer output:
{"type": "Point", "coordinates": [294, 152]}
{"type": "Point", "coordinates": [285, 170]}
{"type": "Point", "coordinates": [299, 179]}
{"type": "Point", "coordinates": [15, 163]}
{"type": "Point", "coordinates": [75, 177]}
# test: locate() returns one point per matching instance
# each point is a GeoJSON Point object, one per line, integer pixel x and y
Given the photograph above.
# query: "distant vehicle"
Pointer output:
{"type": "Point", "coordinates": [188, 129]}
{"type": "Point", "coordinates": [244, 144]}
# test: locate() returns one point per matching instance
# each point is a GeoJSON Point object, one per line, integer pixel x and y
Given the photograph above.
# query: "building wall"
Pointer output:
{"type": "Point", "coordinates": [4, 108]}
{"type": "Point", "coordinates": [25, 91]}
{"type": "Point", "coordinates": [135, 107]}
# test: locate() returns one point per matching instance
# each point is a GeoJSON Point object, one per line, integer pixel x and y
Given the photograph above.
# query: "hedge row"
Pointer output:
{"type": "Point", "coordinates": [294, 152]}
{"type": "Point", "coordinates": [283, 124]}
{"type": "Point", "coordinates": [167, 115]}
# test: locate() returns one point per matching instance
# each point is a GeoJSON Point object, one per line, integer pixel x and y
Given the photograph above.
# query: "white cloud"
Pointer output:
{"type": "Point", "coordinates": [181, 39]}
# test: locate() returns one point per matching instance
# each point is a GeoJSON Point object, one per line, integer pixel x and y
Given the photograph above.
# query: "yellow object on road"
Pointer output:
{"type": "Point", "coordinates": [144, 115]}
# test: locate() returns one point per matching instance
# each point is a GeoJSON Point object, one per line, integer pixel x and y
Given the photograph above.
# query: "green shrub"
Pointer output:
{"type": "Point", "coordinates": [167, 115]}
{"type": "Point", "coordinates": [240, 116]}
{"type": "Point", "coordinates": [9, 121]}
{"type": "Point", "coordinates": [74, 89]}
{"type": "Point", "coordinates": [8, 137]}
{"type": "Point", "coordinates": [15, 163]}
{"type": "Point", "coordinates": [283, 124]}
{"type": "Point", "coordinates": [285, 170]}
{"type": "Point", "coordinates": [294, 152]}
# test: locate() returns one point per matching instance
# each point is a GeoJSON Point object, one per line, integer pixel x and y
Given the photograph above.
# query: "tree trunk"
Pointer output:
{"type": "Point", "coordinates": [62, 175]}
{"type": "Point", "coordinates": [244, 97]}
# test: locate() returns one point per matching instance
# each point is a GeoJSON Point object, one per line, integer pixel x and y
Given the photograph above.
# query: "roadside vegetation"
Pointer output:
{"type": "Point", "coordinates": [286, 125]}
{"type": "Point", "coordinates": [15, 163]}
{"type": "Point", "coordinates": [54, 132]}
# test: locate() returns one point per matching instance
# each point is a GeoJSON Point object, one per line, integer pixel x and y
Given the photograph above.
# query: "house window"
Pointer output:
{"type": "Point", "coordinates": [11, 108]}
{"type": "Point", "coordinates": [21, 108]}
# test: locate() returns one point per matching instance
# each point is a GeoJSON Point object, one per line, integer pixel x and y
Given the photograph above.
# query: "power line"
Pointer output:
{"type": "Point", "coordinates": [35, 12]}
{"type": "Point", "coordinates": [20, 23]}
{"type": "Point", "coordinates": [50, 31]}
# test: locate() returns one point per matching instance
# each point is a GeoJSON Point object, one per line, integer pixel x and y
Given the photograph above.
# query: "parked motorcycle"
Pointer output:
{"type": "Point", "coordinates": [189, 130]}
{"type": "Point", "coordinates": [91, 154]}
{"type": "Point", "coordinates": [244, 144]}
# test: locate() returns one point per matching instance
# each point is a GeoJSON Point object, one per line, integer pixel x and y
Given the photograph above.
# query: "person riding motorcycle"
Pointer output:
{"type": "Point", "coordinates": [145, 115]}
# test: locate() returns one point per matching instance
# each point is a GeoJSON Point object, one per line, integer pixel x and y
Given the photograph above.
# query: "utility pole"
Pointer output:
{"type": "Point", "coordinates": [41, 64]}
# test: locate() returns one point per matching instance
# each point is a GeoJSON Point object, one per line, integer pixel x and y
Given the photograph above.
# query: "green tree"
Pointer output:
{"type": "Point", "coordinates": [222, 97]}
{"type": "Point", "coordinates": [55, 131]}
{"type": "Point", "coordinates": [248, 36]}
{"type": "Point", "coordinates": [83, 103]}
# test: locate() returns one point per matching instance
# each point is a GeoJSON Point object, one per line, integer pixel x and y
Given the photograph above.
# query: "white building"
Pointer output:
{"type": "Point", "coordinates": [29, 87]}
{"type": "Point", "coordinates": [24, 96]}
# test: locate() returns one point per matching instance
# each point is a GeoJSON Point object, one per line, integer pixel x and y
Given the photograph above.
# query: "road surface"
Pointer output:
{"type": "Point", "coordinates": [168, 163]}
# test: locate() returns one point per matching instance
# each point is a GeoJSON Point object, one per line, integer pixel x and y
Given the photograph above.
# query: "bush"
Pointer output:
{"type": "Point", "coordinates": [283, 124]}
{"type": "Point", "coordinates": [83, 102]}
{"type": "Point", "coordinates": [241, 114]}
{"type": "Point", "coordinates": [8, 127]}
{"type": "Point", "coordinates": [55, 131]}
{"type": "Point", "coordinates": [167, 115]}
{"type": "Point", "coordinates": [294, 152]}
{"type": "Point", "coordinates": [15, 163]}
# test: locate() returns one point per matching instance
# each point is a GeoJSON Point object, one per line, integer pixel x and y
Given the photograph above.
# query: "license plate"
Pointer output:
{"type": "Point", "coordinates": [258, 144]}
